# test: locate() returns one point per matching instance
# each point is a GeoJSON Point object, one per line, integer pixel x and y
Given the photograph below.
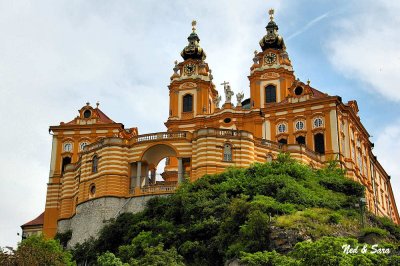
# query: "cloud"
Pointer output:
{"type": "Point", "coordinates": [57, 55]}
{"type": "Point", "coordinates": [387, 149]}
{"type": "Point", "coordinates": [364, 46]}
{"type": "Point", "coordinates": [308, 25]}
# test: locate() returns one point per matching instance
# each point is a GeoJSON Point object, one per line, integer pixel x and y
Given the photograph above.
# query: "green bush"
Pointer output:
{"type": "Point", "coordinates": [267, 259]}
{"type": "Point", "coordinates": [387, 224]}
{"type": "Point", "coordinates": [374, 230]}
{"type": "Point", "coordinates": [334, 218]}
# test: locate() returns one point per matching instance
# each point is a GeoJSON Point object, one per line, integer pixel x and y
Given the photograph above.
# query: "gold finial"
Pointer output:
{"type": "Point", "coordinates": [97, 104]}
{"type": "Point", "coordinates": [176, 62]}
{"type": "Point", "coordinates": [308, 82]}
{"type": "Point", "coordinates": [87, 103]}
{"type": "Point", "coordinates": [271, 14]}
{"type": "Point", "coordinates": [194, 23]}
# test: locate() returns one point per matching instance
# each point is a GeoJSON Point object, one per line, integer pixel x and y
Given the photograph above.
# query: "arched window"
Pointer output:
{"type": "Point", "coordinates": [301, 140]}
{"type": "Point", "coordinates": [92, 189]}
{"type": "Point", "coordinates": [282, 141]}
{"type": "Point", "coordinates": [227, 152]}
{"type": "Point", "coordinates": [95, 164]}
{"type": "Point", "coordinates": [270, 94]}
{"type": "Point", "coordinates": [188, 103]}
{"type": "Point", "coordinates": [65, 162]}
{"type": "Point", "coordinates": [319, 143]}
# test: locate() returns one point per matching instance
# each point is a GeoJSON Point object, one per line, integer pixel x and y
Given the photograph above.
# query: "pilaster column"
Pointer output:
{"type": "Point", "coordinates": [153, 176]}
{"type": "Point", "coordinates": [138, 174]}
{"type": "Point", "coordinates": [180, 171]}
{"type": "Point", "coordinates": [146, 175]}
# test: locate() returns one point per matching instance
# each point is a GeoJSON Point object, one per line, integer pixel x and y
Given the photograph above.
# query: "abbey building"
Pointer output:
{"type": "Point", "coordinates": [100, 169]}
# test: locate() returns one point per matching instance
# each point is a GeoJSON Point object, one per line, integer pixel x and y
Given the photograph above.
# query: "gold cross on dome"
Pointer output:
{"type": "Point", "coordinates": [271, 13]}
{"type": "Point", "coordinates": [194, 23]}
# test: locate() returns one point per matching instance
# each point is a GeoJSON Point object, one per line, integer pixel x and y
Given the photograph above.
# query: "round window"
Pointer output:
{"type": "Point", "coordinates": [298, 91]}
{"type": "Point", "coordinates": [318, 122]}
{"type": "Point", "coordinates": [82, 145]}
{"type": "Point", "coordinates": [87, 114]}
{"type": "Point", "coordinates": [227, 120]}
{"type": "Point", "coordinates": [282, 128]}
{"type": "Point", "coordinates": [67, 147]}
{"type": "Point", "coordinates": [299, 125]}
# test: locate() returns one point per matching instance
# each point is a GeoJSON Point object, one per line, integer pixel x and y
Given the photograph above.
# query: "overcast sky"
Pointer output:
{"type": "Point", "coordinates": [57, 55]}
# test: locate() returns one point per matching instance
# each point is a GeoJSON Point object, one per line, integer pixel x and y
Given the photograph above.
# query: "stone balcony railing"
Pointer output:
{"type": "Point", "coordinates": [218, 132]}
{"type": "Point", "coordinates": [159, 189]}
{"type": "Point", "coordinates": [160, 136]}
{"type": "Point", "coordinates": [270, 144]}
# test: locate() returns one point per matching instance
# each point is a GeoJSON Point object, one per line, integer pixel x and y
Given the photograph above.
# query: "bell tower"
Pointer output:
{"type": "Point", "coordinates": [271, 73]}
{"type": "Point", "coordinates": [191, 91]}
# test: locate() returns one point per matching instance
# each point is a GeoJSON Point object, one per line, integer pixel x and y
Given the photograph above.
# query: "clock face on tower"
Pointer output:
{"type": "Point", "coordinates": [270, 58]}
{"type": "Point", "coordinates": [189, 69]}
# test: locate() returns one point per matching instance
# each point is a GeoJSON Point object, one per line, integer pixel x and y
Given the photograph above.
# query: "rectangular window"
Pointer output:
{"type": "Point", "coordinates": [188, 103]}
{"type": "Point", "coordinates": [270, 94]}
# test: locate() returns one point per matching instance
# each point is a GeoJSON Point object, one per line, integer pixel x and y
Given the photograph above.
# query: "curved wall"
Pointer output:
{"type": "Point", "coordinates": [92, 215]}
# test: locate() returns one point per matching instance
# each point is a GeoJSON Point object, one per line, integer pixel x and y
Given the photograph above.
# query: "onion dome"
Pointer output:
{"type": "Point", "coordinates": [272, 39]}
{"type": "Point", "coordinates": [193, 49]}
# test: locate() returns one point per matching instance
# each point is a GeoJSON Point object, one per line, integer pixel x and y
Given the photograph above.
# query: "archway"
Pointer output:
{"type": "Point", "coordinates": [159, 165]}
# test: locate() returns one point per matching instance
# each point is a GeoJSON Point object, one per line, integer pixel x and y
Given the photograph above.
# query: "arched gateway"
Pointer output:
{"type": "Point", "coordinates": [144, 176]}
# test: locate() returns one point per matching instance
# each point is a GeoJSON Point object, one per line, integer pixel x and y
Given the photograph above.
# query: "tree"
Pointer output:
{"type": "Point", "coordinates": [157, 256]}
{"type": "Point", "coordinates": [109, 259]}
{"type": "Point", "coordinates": [36, 250]}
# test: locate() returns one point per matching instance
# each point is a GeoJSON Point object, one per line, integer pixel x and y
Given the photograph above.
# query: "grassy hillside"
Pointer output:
{"type": "Point", "coordinates": [279, 213]}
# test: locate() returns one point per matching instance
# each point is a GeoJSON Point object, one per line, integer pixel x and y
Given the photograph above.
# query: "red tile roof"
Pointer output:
{"type": "Point", "coordinates": [37, 221]}
{"type": "Point", "coordinates": [317, 93]}
{"type": "Point", "coordinates": [103, 117]}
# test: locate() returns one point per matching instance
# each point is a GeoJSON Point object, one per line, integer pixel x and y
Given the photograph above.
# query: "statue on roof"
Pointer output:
{"type": "Point", "coordinates": [217, 100]}
{"type": "Point", "coordinates": [228, 92]}
{"type": "Point", "coordinates": [239, 98]}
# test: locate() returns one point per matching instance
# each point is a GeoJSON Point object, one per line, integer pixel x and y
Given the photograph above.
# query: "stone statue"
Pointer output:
{"type": "Point", "coordinates": [239, 98]}
{"type": "Point", "coordinates": [255, 59]}
{"type": "Point", "coordinates": [217, 100]}
{"type": "Point", "coordinates": [228, 92]}
{"type": "Point", "coordinates": [176, 68]}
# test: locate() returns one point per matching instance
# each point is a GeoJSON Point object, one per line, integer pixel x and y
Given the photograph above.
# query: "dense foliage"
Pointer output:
{"type": "Point", "coordinates": [325, 251]}
{"type": "Point", "coordinates": [234, 215]}
{"type": "Point", "coordinates": [36, 250]}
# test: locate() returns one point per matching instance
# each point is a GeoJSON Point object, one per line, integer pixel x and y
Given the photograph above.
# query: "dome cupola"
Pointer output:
{"type": "Point", "coordinates": [193, 49]}
{"type": "Point", "coordinates": [272, 39]}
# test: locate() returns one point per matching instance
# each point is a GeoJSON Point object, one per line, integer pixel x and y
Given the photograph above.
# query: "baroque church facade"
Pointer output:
{"type": "Point", "coordinates": [99, 168]}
